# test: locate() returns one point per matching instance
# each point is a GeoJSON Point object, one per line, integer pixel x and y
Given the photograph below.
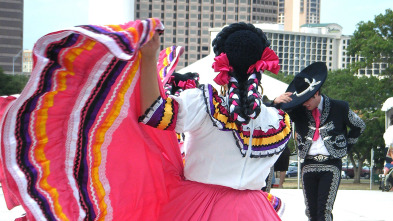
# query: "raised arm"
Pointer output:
{"type": "Point", "coordinates": [149, 83]}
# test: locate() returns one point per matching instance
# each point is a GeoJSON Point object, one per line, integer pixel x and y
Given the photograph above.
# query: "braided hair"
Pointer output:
{"type": "Point", "coordinates": [243, 44]}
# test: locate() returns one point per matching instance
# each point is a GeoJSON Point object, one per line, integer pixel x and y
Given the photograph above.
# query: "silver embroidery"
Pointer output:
{"type": "Point", "coordinates": [333, 186]}
{"type": "Point", "coordinates": [326, 110]}
{"type": "Point", "coordinates": [352, 140]}
{"type": "Point", "coordinates": [305, 145]}
{"type": "Point", "coordinates": [341, 141]}
{"type": "Point", "coordinates": [356, 120]}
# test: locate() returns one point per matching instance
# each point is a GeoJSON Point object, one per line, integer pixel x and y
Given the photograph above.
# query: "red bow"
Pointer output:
{"type": "Point", "coordinates": [269, 61]}
{"type": "Point", "coordinates": [221, 64]}
{"type": "Point", "coordinates": [187, 84]}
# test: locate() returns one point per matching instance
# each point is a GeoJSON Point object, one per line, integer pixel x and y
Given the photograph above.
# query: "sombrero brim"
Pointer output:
{"type": "Point", "coordinates": [317, 71]}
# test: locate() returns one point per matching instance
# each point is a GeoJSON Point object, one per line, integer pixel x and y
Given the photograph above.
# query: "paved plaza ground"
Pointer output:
{"type": "Point", "coordinates": [350, 205]}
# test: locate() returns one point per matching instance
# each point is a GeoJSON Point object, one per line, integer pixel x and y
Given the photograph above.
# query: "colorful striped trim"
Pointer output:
{"type": "Point", "coordinates": [263, 143]}
{"type": "Point", "coordinates": [166, 65]}
{"type": "Point", "coordinates": [57, 133]}
{"type": "Point", "coordinates": [162, 114]}
{"type": "Point", "coordinates": [277, 204]}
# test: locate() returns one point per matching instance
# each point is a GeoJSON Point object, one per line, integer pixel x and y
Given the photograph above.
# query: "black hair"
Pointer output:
{"type": "Point", "coordinates": [243, 44]}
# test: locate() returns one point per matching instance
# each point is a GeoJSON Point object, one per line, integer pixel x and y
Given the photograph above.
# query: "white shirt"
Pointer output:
{"type": "Point", "coordinates": [212, 155]}
{"type": "Point", "coordinates": [318, 146]}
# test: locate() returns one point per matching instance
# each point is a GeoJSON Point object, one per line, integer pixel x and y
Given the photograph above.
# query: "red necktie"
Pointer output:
{"type": "Point", "coordinates": [316, 115]}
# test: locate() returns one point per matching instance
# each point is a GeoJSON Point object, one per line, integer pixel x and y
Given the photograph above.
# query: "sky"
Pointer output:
{"type": "Point", "coordinates": [44, 16]}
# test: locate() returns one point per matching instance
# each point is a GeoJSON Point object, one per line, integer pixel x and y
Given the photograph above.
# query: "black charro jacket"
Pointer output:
{"type": "Point", "coordinates": [335, 118]}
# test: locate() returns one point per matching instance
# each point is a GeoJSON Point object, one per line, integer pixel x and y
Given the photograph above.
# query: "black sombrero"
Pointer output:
{"type": "Point", "coordinates": [306, 84]}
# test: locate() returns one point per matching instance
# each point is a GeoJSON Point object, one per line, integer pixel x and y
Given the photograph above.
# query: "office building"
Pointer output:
{"type": "Point", "coordinates": [264, 11]}
{"type": "Point", "coordinates": [11, 36]}
{"type": "Point", "coordinates": [314, 42]}
{"type": "Point", "coordinates": [187, 22]}
{"type": "Point", "coordinates": [295, 13]}
{"type": "Point", "coordinates": [27, 61]}
{"type": "Point", "coordinates": [297, 50]}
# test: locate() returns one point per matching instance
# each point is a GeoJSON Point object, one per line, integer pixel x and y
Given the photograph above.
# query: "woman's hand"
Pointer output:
{"type": "Point", "coordinates": [283, 98]}
{"type": "Point", "coordinates": [151, 47]}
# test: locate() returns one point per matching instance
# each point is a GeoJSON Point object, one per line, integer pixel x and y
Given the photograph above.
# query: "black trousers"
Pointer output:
{"type": "Point", "coordinates": [320, 185]}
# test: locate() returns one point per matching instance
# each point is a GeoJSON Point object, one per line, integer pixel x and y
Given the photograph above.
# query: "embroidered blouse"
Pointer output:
{"type": "Point", "coordinates": [218, 151]}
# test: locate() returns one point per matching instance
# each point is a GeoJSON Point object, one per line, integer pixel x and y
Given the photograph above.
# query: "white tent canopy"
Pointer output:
{"type": "Point", "coordinates": [272, 88]}
{"type": "Point", "coordinates": [388, 104]}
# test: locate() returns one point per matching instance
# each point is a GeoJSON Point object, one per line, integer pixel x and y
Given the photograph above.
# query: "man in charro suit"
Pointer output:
{"type": "Point", "coordinates": [322, 136]}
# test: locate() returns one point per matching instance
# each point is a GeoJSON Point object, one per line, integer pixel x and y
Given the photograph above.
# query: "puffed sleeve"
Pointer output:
{"type": "Point", "coordinates": [179, 113]}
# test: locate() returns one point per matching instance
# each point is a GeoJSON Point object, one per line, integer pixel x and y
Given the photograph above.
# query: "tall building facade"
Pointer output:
{"type": "Point", "coordinates": [295, 13]}
{"type": "Point", "coordinates": [11, 35]}
{"type": "Point", "coordinates": [317, 42]}
{"type": "Point", "coordinates": [187, 22]}
{"type": "Point", "coordinates": [264, 11]}
{"type": "Point", "coordinates": [27, 61]}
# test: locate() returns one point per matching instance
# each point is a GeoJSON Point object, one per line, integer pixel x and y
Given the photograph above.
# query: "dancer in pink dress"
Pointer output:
{"type": "Point", "coordinates": [232, 139]}
{"type": "Point", "coordinates": [72, 147]}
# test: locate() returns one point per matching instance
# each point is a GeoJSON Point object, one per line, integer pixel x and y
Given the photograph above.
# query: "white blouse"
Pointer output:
{"type": "Point", "coordinates": [217, 154]}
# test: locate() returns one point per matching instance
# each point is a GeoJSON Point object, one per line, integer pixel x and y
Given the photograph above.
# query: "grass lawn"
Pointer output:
{"type": "Point", "coordinates": [346, 184]}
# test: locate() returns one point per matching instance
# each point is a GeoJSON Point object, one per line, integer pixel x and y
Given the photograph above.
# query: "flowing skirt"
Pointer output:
{"type": "Point", "coordinates": [72, 147]}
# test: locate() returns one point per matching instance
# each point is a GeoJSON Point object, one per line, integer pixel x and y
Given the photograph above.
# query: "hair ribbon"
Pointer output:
{"type": "Point", "coordinates": [221, 64]}
{"type": "Point", "coordinates": [269, 61]}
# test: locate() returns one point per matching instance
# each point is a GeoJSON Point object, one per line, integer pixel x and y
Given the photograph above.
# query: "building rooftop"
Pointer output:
{"type": "Point", "coordinates": [318, 25]}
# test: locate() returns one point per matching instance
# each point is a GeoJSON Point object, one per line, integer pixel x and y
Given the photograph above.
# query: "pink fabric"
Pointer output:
{"type": "Point", "coordinates": [123, 177]}
{"type": "Point", "coordinates": [269, 61]}
{"type": "Point", "coordinates": [194, 201]}
{"type": "Point", "coordinates": [316, 115]}
{"type": "Point", "coordinates": [10, 199]}
{"type": "Point", "coordinates": [221, 64]}
{"type": "Point", "coordinates": [190, 83]}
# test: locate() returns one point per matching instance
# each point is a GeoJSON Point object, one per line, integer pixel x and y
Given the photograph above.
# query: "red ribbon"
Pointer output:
{"type": "Point", "coordinates": [269, 61]}
{"type": "Point", "coordinates": [187, 84]}
{"type": "Point", "coordinates": [221, 64]}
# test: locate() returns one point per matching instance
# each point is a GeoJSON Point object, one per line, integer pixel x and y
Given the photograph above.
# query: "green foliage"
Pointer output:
{"type": "Point", "coordinates": [363, 94]}
{"type": "Point", "coordinates": [373, 40]}
{"type": "Point", "coordinates": [12, 84]}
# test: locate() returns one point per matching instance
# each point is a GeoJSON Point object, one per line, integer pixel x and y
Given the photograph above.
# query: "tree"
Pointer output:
{"type": "Point", "coordinates": [373, 40]}
{"type": "Point", "coordinates": [12, 84]}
